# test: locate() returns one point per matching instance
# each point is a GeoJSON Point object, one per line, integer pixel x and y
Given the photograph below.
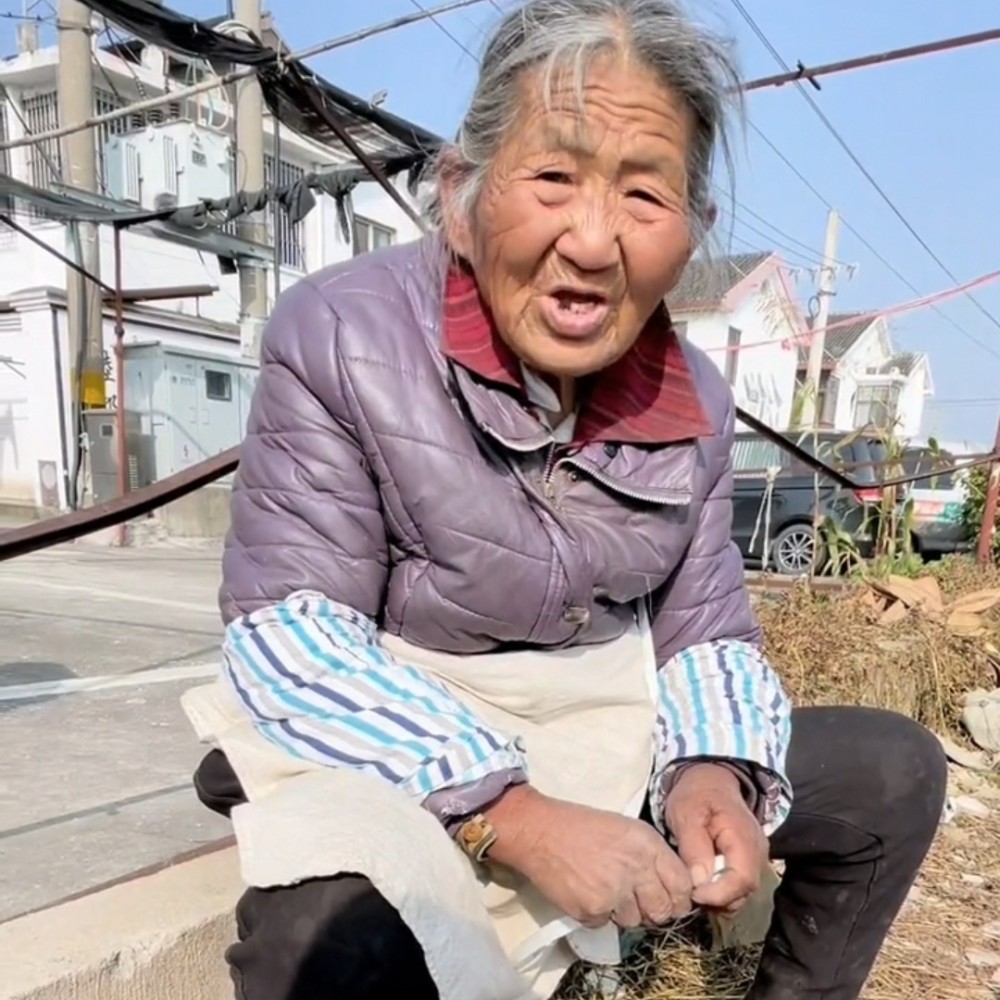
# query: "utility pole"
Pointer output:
{"type": "Point", "coordinates": [250, 176]}
{"type": "Point", "coordinates": [984, 550]}
{"type": "Point", "coordinates": [811, 411]}
{"type": "Point", "coordinates": [78, 155]}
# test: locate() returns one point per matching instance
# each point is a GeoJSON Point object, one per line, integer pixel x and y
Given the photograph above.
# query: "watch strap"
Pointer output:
{"type": "Point", "coordinates": [475, 837]}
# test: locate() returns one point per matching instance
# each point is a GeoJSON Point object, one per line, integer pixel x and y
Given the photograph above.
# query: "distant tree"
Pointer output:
{"type": "Point", "coordinates": [975, 502]}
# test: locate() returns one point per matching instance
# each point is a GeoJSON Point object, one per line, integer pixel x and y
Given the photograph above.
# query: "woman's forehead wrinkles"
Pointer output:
{"type": "Point", "coordinates": [586, 139]}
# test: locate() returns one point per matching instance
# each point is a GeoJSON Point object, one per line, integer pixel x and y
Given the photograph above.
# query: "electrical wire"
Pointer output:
{"type": "Point", "coordinates": [881, 258]}
{"type": "Point", "coordinates": [866, 173]}
{"type": "Point", "coordinates": [809, 251]}
{"type": "Point", "coordinates": [812, 261]}
{"type": "Point", "coordinates": [437, 24]}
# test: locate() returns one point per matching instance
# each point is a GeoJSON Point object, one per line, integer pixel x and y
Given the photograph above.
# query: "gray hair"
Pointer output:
{"type": "Point", "coordinates": [555, 36]}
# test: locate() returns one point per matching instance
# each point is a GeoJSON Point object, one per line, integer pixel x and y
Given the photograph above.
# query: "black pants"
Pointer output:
{"type": "Point", "coordinates": [869, 791]}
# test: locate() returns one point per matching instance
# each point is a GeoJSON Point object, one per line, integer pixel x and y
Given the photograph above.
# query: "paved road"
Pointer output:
{"type": "Point", "coordinates": [95, 754]}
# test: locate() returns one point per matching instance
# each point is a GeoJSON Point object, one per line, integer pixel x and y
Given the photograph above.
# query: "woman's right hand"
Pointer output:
{"type": "Point", "coordinates": [596, 866]}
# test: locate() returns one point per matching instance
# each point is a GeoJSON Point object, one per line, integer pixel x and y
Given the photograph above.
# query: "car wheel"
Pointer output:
{"type": "Point", "coordinates": [795, 552]}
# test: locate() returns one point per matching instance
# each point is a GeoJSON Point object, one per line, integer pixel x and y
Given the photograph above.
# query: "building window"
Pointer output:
{"type": "Point", "coordinates": [288, 238]}
{"type": "Point", "coordinates": [41, 113]}
{"type": "Point", "coordinates": [876, 405]}
{"type": "Point", "coordinates": [218, 385]}
{"type": "Point", "coordinates": [370, 236]}
{"type": "Point", "coordinates": [733, 339]}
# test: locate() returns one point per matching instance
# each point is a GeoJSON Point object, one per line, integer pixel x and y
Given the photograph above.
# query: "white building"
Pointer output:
{"type": "Point", "coordinates": [182, 150]}
{"type": "Point", "coordinates": [866, 382]}
{"type": "Point", "coordinates": [740, 309]}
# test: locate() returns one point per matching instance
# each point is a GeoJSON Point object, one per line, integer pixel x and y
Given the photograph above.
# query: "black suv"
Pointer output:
{"type": "Point", "coordinates": [792, 496]}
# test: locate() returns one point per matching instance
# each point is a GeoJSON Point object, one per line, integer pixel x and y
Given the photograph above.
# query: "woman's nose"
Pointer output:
{"type": "Point", "coordinates": [590, 241]}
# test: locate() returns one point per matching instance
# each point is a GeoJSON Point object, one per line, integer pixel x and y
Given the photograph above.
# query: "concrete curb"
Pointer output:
{"type": "Point", "coordinates": [160, 936]}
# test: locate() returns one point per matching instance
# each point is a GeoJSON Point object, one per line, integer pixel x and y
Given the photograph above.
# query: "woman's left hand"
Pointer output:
{"type": "Point", "coordinates": [707, 814]}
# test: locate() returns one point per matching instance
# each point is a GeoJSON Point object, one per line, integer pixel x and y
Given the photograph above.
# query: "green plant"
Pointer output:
{"type": "Point", "coordinates": [976, 485]}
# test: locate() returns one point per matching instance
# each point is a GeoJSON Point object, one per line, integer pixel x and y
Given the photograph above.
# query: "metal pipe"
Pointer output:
{"type": "Point", "coordinates": [276, 208]}
{"type": "Point", "coordinates": [121, 443]}
{"type": "Point", "coordinates": [69, 486]}
{"type": "Point", "coordinates": [808, 74]}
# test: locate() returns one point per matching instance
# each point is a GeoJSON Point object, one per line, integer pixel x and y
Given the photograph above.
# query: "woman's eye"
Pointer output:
{"type": "Point", "coordinates": [646, 196]}
{"type": "Point", "coordinates": [554, 177]}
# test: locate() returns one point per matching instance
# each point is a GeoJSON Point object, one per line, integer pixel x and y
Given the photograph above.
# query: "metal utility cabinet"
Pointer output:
{"type": "Point", "coordinates": [185, 406]}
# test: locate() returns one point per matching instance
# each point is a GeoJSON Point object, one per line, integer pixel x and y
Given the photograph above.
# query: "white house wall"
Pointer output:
{"type": "Point", "coordinates": [871, 351]}
{"type": "Point", "coordinates": [765, 370]}
{"type": "Point", "coordinates": [30, 435]}
{"type": "Point", "coordinates": [911, 404]}
{"type": "Point", "coordinates": [867, 351]}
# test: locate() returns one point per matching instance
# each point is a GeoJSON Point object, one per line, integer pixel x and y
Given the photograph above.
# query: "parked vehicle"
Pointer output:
{"type": "Point", "coordinates": [789, 494]}
{"type": "Point", "coordinates": [936, 504]}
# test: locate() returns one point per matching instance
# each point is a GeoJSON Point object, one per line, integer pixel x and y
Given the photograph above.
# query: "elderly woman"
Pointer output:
{"type": "Point", "coordinates": [489, 650]}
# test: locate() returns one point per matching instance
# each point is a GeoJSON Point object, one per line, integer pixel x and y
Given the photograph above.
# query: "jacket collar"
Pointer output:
{"type": "Point", "coordinates": [647, 397]}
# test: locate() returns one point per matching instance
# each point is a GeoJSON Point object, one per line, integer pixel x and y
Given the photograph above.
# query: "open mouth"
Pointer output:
{"type": "Point", "coordinates": [576, 313]}
{"type": "Point", "coordinates": [578, 301]}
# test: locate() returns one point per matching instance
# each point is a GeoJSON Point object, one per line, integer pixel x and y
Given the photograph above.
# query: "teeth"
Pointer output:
{"type": "Point", "coordinates": [577, 304]}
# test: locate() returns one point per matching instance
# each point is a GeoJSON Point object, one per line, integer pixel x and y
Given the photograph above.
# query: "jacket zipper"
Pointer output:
{"type": "Point", "coordinates": [671, 498]}
{"type": "Point", "coordinates": [548, 473]}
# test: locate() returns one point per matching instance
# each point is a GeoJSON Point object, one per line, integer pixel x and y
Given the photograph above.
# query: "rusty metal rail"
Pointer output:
{"type": "Point", "coordinates": [69, 527]}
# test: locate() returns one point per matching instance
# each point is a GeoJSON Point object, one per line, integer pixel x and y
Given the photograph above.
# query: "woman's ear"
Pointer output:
{"type": "Point", "coordinates": [455, 216]}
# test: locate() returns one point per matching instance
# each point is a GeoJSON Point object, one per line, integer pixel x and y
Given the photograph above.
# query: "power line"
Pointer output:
{"type": "Point", "coordinates": [239, 74]}
{"type": "Point", "coordinates": [988, 348]}
{"type": "Point", "coordinates": [812, 261]}
{"type": "Point", "coordinates": [810, 252]}
{"type": "Point", "coordinates": [866, 173]}
{"type": "Point", "coordinates": [978, 401]}
{"type": "Point", "coordinates": [437, 24]}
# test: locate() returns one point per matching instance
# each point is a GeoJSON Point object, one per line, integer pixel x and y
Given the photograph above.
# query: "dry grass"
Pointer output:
{"type": "Point", "coordinates": [831, 650]}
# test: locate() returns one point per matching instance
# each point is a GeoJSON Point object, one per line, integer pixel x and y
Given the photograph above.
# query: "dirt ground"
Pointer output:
{"type": "Point", "coordinates": [917, 647]}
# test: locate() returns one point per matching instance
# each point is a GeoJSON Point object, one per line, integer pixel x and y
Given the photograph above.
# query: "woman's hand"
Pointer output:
{"type": "Point", "coordinates": [596, 866]}
{"type": "Point", "coordinates": [707, 814]}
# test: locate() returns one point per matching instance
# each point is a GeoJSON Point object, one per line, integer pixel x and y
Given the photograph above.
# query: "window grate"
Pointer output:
{"type": "Point", "coordinates": [288, 237]}
{"type": "Point", "coordinates": [41, 113]}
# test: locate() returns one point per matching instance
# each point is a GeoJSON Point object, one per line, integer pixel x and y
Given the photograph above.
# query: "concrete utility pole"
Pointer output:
{"type": "Point", "coordinates": [811, 411]}
{"type": "Point", "coordinates": [250, 176]}
{"type": "Point", "coordinates": [78, 153]}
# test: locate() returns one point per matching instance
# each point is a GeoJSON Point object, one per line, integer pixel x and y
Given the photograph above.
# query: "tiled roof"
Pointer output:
{"type": "Point", "coordinates": [706, 283]}
{"type": "Point", "coordinates": [904, 361]}
{"type": "Point", "coordinates": [842, 338]}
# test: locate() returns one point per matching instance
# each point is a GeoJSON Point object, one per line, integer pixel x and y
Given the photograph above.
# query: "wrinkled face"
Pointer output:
{"type": "Point", "coordinates": [582, 225]}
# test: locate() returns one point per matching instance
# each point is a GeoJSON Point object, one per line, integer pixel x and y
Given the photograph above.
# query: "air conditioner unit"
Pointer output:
{"type": "Point", "coordinates": [176, 158]}
{"type": "Point", "coordinates": [123, 168]}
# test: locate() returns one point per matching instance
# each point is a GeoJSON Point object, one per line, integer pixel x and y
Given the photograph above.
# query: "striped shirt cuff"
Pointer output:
{"type": "Point", "coordinates": [722, 700]}
{"type": "Point", "coordinates": [316, 683]}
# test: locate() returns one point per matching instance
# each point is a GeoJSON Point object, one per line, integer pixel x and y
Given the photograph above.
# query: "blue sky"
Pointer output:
{"type": "Point", "coordinates": [927, 130]}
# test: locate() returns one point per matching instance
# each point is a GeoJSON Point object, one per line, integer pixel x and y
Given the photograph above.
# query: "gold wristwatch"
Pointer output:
{"type": "Point", "coordinates": [476, 836]}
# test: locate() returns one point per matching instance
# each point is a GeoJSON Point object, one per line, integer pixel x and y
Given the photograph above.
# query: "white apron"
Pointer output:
{"type": "Point", "coordinates": [586, 717]}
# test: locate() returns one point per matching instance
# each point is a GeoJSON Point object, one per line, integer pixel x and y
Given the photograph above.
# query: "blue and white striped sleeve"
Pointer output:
{"type": "Point", "coordinates": [722, 700]}
{"type": "Point", "coordinates": [316, 683]}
